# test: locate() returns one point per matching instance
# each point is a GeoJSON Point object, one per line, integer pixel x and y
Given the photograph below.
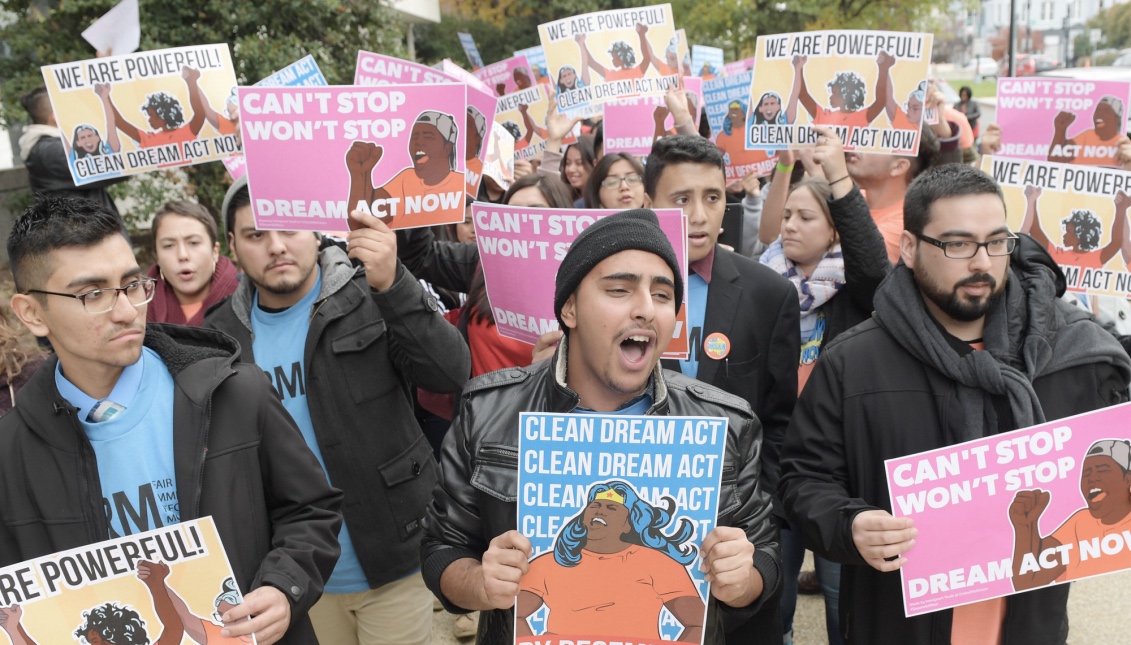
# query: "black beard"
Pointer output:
{"type": "Point", "coordinates": [956, 307]}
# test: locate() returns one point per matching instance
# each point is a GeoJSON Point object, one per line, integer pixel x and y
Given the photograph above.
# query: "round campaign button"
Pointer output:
{"type": "Point", "coordinates": [717, 346]}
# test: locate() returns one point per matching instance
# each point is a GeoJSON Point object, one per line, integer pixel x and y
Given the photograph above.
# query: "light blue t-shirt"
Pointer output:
{"type": "Point", "coordinates": [696, 309]}
{"type": "Point", "coordinates": [134, 449]}
{"type": "Point", "coordinates": [279, 346]}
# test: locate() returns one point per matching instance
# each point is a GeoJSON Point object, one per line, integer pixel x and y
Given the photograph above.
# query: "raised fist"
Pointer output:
{"type": "Point", "coordinates": [1063, 120]}
{"type": "Point", "coordinates": [363, 155]}
{"type": "Point", "coordinates": [190, 74]}
{"type": "Point", "coordinates": [1032, 192]}
{"type": "Point", "coordinates": [1027, 507]}
{"type": "Point", "coordinates": [152, 572]}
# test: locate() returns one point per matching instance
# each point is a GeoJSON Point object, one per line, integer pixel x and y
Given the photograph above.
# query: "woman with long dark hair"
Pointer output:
{"type": "Point", "coordinates": [617, 182]}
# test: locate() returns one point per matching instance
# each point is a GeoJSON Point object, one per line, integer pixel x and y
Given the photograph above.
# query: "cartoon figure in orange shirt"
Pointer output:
{"type": "Point", "coordinates": [612, 571]}
{"type": "Point", "coordinates": [847, 93]}
{"type": "Point", "coordinates": [909, 116]}
{"type": "Point", "coordinates": [229, 121]}
{"type": "Point", "coordinates": [432, 148]}
{"type": "Point", "coordinates": [1082, 233]}
{"type": "Point", "coordinates": [1088, 147]}
{"type": "Point", "coordinates": [165, 115]}
{"type": "Point", "coordinates": [623, 57]}
{"type": "Point", "coordinates": [1105, 484]}
{"type": "Point", "coordinates": [732, 140]}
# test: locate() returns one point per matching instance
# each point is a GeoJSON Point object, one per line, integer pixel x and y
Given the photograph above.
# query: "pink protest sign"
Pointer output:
{"type": "Point", "coordinates": [481, 106]}
{"type": "Point", "coordinates": [376, 69]}
{"type": "Point", "coordinates": [1016, 511]}
{"type": "Point", "coordinates": [738, 66]}
{"type": "Point", "coordinates": [455, 71]}
{"type": "Point", "coordinates": [520, 250]}
{"type": "Point", "coordinates": [314, 154]}
{"type": "Point", "coordinates": [507, 76]}
{"type": "Point", "coordinates": [1062, 120]}
{"type": "Point", "coordinates": [633, 124]}
{"type": "Point", "coordinates": [236, 166]}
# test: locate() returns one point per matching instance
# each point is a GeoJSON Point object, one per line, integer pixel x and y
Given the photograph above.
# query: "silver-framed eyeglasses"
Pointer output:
{"type": "Point", "coordinates": [966, 249]}
{"type": "Point", "coordinates": [100, 301]}
{"type": "Point", "coordinates": [614, 182]}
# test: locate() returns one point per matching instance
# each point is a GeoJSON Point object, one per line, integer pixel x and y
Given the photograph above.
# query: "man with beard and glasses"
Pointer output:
{"type": "Point", "coordinates": [968, 339]}
{"type": "Point", "coordinates": [345, 338]}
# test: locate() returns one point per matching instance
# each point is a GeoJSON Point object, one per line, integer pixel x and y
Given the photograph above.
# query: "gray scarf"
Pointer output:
{"type": "Point", "coordinates": [1029, 332]}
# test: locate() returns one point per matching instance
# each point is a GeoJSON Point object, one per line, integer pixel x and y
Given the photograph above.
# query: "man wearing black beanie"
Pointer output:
{"type": "Point", "coordinates": [617, 294]}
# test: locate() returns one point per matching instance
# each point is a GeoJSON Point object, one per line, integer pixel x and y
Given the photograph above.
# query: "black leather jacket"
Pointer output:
{"type": "Point", "coordinates": [476, 499]}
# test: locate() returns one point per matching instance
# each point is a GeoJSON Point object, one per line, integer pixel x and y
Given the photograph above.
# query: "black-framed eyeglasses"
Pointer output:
{"type": "Point", "coordinates": [100, 301]}
{"type": "Point", "coordinates": [966, 249]}
{"type": "Point", "coordinates": [614, 182]}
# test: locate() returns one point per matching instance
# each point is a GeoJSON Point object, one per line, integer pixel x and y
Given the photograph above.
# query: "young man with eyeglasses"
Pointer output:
{"type": "Point", "coordinates": [135, 428]}
{"type": "Point", "coordinates": [968, 339]}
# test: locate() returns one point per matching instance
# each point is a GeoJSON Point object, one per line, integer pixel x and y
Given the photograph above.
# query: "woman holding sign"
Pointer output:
{"type": "Point", "coordinates": [827, 234]}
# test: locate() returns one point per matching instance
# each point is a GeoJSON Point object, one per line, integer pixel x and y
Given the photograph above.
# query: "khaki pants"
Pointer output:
{"type": "Point", "coordinates": [399, 613]}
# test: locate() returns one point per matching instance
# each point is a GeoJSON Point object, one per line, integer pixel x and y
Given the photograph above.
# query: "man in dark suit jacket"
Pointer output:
{"type": "Point", "coordinates": [744, 323]}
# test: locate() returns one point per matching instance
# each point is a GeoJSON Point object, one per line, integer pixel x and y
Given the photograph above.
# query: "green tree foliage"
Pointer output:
{"type": "Point", "coordinates": [263, 36]}
{"type": "Point", "coordinates": [1115, 24]}
{"type": "Point", "coordinates": [502, 26]}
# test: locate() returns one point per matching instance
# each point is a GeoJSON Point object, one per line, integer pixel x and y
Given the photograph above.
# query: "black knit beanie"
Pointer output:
{"type": "Point", "coordinates": [634, 230]}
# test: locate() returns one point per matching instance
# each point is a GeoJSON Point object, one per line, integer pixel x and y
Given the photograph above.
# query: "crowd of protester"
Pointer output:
{"type": "Point", "coordinates": [372, 475]}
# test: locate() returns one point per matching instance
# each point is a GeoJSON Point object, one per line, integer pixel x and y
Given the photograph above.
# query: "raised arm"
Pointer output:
{"type": "Point", "coordinates": [361, 159]}
{"type": "Point", "coordinates": [103, 92]}
{"type": "Point", "coordinates": [10, 623]}
{"type": "Point", "coordinates": [866, 262]}
{"type": "Point", "coordinates": [196, 99]}
{"type": "Point", "coordinates": [646, 53]}
{"type": "Point", "coordinates": [1120, 230]}
{"type": "Point", "coordinates": [884, 63]}
{"type": "Point", "coordinates": [153, 574]}
{"type": "Point", "coordinates": [1031, 223]}
{"type": "Point", "coordinates": [770, 227]}
{"type": "Point", "coordinates": [1025, 513]}
{"type": "Point", "coordinates": [125, 126]}
{"type": "Point", "coordinates": [587, 60]}
{"type": "Point", "coordinates": [190, 621]}
{"type": "Point", "coordinates": [528, 121]}
{"type": "Point", "coordinates": [1060, 138]}
{"type": "Point", "coordinates": [801, 90]}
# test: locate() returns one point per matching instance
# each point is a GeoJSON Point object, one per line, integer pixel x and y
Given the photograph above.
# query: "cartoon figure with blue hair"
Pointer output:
{"type": "Point", "coordinates": [618, 540]}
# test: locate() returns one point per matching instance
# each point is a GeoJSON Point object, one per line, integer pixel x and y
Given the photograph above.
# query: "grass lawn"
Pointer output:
{"type": "Point", "coordinates": [981, 89]}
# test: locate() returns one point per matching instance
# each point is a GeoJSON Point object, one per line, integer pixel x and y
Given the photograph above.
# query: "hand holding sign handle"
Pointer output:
{"type": "Point", "coordinates": [374, 244]}
{"type": "Point", "coordinates": [882, 539]}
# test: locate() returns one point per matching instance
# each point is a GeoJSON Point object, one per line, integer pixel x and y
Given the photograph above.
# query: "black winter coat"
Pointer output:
{"type": "Point", "coordinates": [238, 457]}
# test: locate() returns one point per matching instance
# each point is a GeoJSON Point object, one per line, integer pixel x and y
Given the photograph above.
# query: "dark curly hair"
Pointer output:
{"type": "Point", "coordinates": [852, 89]}
{"type": "Point", "coordinates": [1088, 228]}
{"type": "Point", "coordinates": [513, 128]}
{"type": "Point", "coordinates": [114, 624]}
{"type": "Point", "coordinates": [167, 107]}
{"type": "Point", "coordinates": [624, 52]}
